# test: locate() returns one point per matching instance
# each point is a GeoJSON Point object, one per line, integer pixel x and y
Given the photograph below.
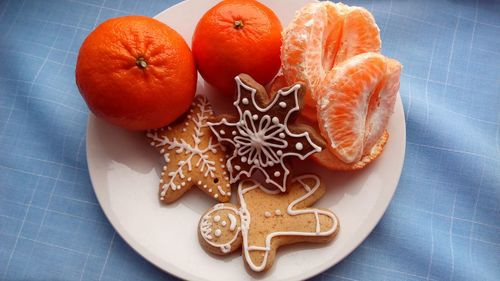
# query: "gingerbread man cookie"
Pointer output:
{"type": "Point", "coordinates": [193, 157]}
{"type": "Point", "coordinates": [266, 220]}
{"type": "Point", "coordinates": [263, 136]}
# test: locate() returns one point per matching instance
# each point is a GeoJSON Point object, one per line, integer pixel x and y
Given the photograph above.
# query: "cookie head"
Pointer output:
{"type": "Point", "coordinates": [219, 230]}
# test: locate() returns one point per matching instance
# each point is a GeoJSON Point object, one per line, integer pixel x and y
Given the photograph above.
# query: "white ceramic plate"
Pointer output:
{"type": "Point", "coordinates": [125, 171]}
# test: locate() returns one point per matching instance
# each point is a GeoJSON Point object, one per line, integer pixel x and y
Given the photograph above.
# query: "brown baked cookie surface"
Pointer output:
{"type": "Point", "coordinates": [192, 155]}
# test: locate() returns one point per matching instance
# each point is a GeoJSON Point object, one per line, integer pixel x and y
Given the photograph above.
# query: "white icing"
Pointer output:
{"type": "Point", "coordinates": [204, 164]}
{"type": "Point", "coordinates": [299, 146]}
{"type": "Point", "coordinates": [267, 214]}
{"type": "Point", "coordinates": [223, 223]}
{"type": "Point", "coordinates": [260, 140]}
{"type": "Point", "coordinates": [277, 212]}
{"type": "Point", "coordinates": [277, 174]}
{"type": "Point", "coordinates": [246, 219]}
{"type": "Point", "coordinates": [218, 232]}
{"type": "Point", "coordinates": [232, 220]}
{"type": "Point", "coordinates": [282, 104]}
{"type": "Point", "coordinates": [205, 228]}
{"type": "Point", "coordinates": [217, 218]}
{"type": "Point", "coordinates": [282, 135]}
{"type": "Point", "coordinates": [221, 191]}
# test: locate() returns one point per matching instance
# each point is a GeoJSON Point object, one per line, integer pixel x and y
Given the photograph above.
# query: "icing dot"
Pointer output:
{"type": "Point", "coordinates": [222, 132]}
{"type": "Point", "coordinates": [218, 232]}
{"type": "Point", "coordinates": [222, 166]}
{"type": "Point", "coordinates": [277, 212]}
{"type": "Point", "coordinates": [255, 117]}
{"type": "Point", "coordinates": [162, 173]}
{"type": "Point", "coordinates": [234, 133]}
{"type": "Point", "coordinates": [216, 195]}
{"type": "Point", "coordinates": [199, 182]}
{"type": "Point", "coordinates": [210, 190]}
{"type": "Point", "coordinates": [279, 152]}
{"type": "Point", "coordinates": [267, 214]}
{"type": "Point", "coordinates": [275, 120]}
{"type": "Point", "coordinates": [224, 173]}
{"type": "Point", "coordinates": [222, 159]}
{"type": "Point", "coordinates": [282, 104]}
{"type": "Point", "coordinates": [243, 159]}
{"type": "Point", "coordinates": [204, 186]}
{"type": "Point", "coordinates": [161, 180]}
{"type": "Point", "coordinates": [282, 135]}
{"type": "Point", "coordinates": [162, 198]}
{"type": "Point", "coordinates": [244, 101]}
{"type": "Point", "coordinates": [184, 129]}
{"type": "Point", "coordinates": [256, 162]}
{"type": "Point", "coordinates": [227, 184]}
{"type": "Point", "coordinates": [217, 218]}
{"type": "Point", "coordinates": [183, 183]}
{"type": "Point", "coordinates": [189, 179]}
{"type": "Point", "coordinates": [186, 123]}
{"type": "Point", "coordinates": [169, 128]}
{"type": "Point", "coordinates": [277, 174]}
{"type": "Point", "coordinates": [228, 194]}
{"type": "Point", "coordinates": [237, 167]}
{"type": "Point", "coordinates": [223, 223]}
{"type": "Point", "coordinates": [152, 143]}
{"type": "Point", "coordinates": [299, 146]}
{"type": "Point", "coordinates": [164, 168]}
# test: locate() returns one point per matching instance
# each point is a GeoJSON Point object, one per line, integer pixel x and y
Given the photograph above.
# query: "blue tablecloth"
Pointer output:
{"type": "Point", "coordinates": [444, 221]}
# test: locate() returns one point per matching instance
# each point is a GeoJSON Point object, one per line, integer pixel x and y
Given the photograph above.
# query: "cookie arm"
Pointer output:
{"type": "Point", "coordinates": [305, 190]}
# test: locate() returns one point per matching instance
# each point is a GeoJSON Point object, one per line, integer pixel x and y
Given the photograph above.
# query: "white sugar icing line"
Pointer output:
{"type": "Point", "coordinates": [245, 223]}
{"type": "Point", "coordinates": [180, 146]}
{"type": "Point", "coordinates": [206, 228]}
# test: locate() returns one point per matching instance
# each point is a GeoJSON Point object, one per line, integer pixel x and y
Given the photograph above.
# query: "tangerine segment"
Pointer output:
{"type": "Point", "coordinates": [328, 160]}
{"type": "Point", "coordinates": [321, 36]}
{"type": "Point", "coordinates": [345, 116]}
{"type": "Point", "coordinates": [381, 104]}
{"type": "Point", "coordinates": [360, 34]}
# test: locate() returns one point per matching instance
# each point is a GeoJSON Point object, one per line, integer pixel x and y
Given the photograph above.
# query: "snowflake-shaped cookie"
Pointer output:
{"type": "Point", "coordinates": [193, 157]}
{"type": "Point", "coordinates": [263, 136]}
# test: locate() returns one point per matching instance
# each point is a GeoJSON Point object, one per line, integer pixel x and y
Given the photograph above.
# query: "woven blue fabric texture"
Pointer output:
{"type": "Point", "coordinates": [443, 223]}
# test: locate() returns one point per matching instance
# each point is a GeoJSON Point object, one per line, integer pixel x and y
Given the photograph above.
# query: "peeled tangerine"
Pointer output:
{"type": "Point", "coordinates": [321, 36]}
{"type": "Point", "coordinates": [355, 102]}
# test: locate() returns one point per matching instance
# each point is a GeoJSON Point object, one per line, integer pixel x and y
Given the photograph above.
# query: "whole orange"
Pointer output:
{"type": "Point", "coordinates": [237, 36]}
{"type": "Point", "coordinates": [136, 73]}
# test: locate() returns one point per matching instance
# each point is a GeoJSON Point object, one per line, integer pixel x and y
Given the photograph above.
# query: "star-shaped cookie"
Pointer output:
{"type": "Point", "coordinates": [266, 220]}
{"type": "Point", "coordinates": [193, 157]}
{"type": "Point", "coordinates": [263, 136]}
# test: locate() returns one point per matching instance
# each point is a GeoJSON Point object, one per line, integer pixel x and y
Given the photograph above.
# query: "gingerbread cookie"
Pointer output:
{"type": "Point", "coordinates": [266, 220]}
{"type": "Point", "coordinates": [263, 136]}
{"type": "Point", "coordinates": [193, 157]}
